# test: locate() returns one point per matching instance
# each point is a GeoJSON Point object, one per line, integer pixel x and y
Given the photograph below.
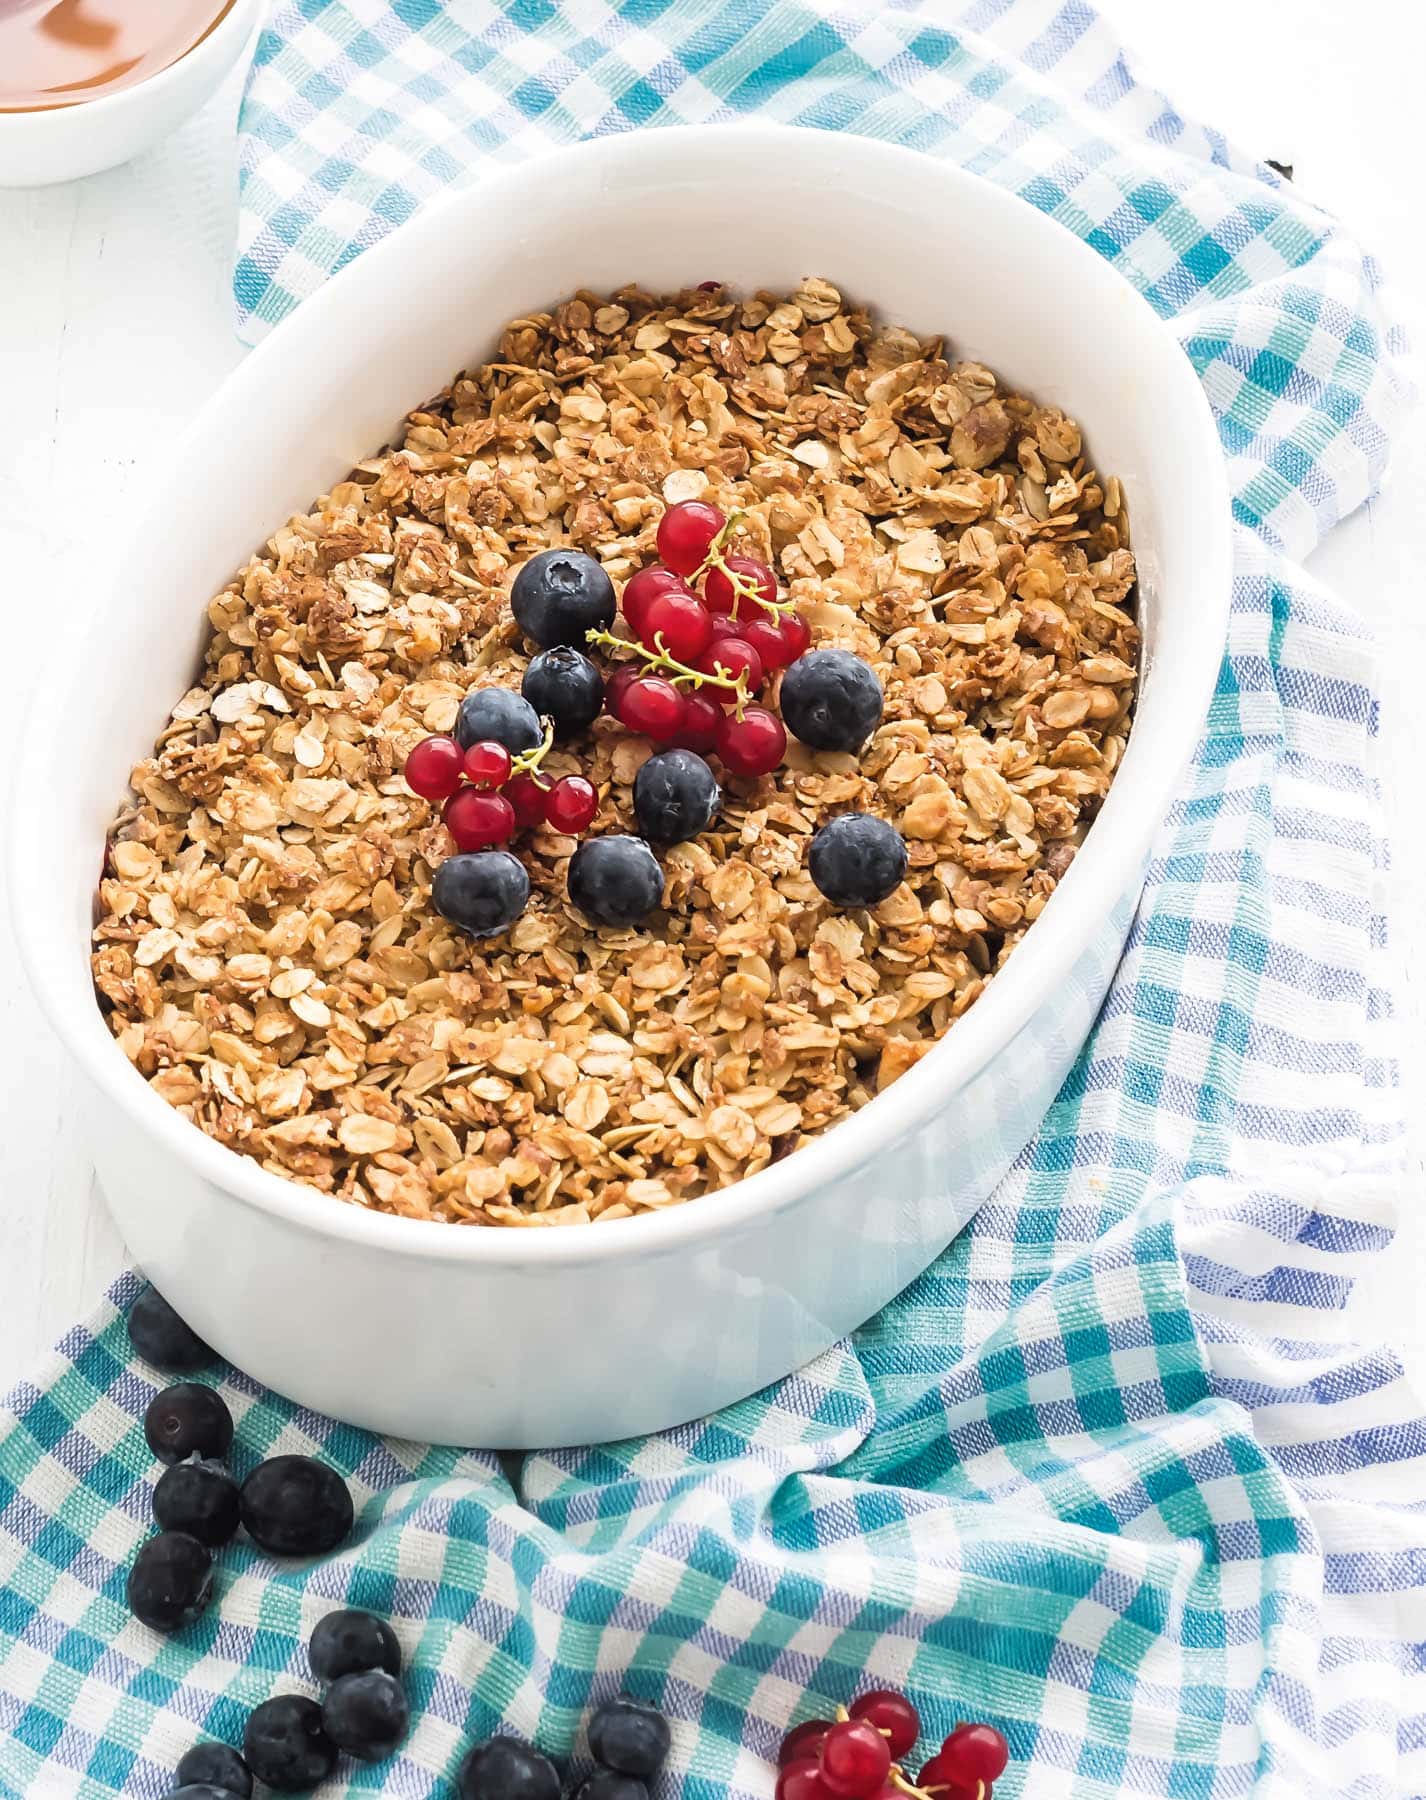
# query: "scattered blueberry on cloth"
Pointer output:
{"type": "Point", "coordinates": [1110, 1475]}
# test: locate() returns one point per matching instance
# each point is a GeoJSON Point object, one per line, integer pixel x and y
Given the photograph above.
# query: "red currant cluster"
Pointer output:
{"type": "Point", "coordinates": [858, 1756]}
{"type": "Point", "coordinates": [700, 657]}
{"type": "Point", "coordinates": [490, 793]}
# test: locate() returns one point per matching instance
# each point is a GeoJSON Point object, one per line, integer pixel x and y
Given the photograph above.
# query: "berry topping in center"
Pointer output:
{"type": "Point", "coordinates": [678, 622]}
{"type": "Point", "coordinates": [498, 713]}
{"type": "Point", "coordinates": [615, 880]}
{"type": "Point", "coordinates": [742, 587]}
{"type": "Point", "coordinates": [483, 893]}
{"type": "Point", "coordinates": [566, 687]}
{"type": "Point", "coordinates": [675, 797]}
{"type": "Point", "coordinates": [686, 533]}
{"type": "Point", "coordinates": [487, 764]}
{"type": "Point", "coordinates": [857, 859]}
{"type": "Point", "coordinates": [751, 745]}
{"type": "Point", "coordinates": [560, 595]}
{"type": "Point", "coordinates": [433, 769]}
{"type": "Point", "coordinates": [571, 804]}
{"type": "Point", "coordinates": [652, 706]}
{"type": "Point", "coordinates": [476, 820]}
{"type": "Point", "coordinates": [831, 699]}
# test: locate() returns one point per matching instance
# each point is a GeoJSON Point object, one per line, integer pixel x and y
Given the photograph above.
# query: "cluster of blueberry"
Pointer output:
{"type": "Point", "coordinates": [292, 1742]}
{"type": "Point", "coordinates": [295, 1506]}
{"type": "Point", "coordinates": [289, 1505]}
{"type": "Point", "coordinates": [696, 661]}
{"type": "Point", "coordinates": [858, 1756]}
{"type": "Point", "coordinates": [627, 1739]}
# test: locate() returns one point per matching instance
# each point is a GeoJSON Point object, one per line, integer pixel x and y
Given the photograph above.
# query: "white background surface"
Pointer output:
{"type": "Point", "coordinates": [116, 323]}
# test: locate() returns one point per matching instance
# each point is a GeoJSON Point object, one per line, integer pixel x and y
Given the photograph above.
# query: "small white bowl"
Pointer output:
{"type": "Point", "coordinates": [577, 1335]}
{"type": "Point", "coordinates": [62, 143]}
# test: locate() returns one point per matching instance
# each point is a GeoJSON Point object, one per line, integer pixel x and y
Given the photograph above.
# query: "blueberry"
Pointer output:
{"type": "Point", "coordinates": [615, 880]}
{"type": "Point", "coordinates": [171, 1581]}
{"type": "Point", "coordinates": [205, 1790]}
{"type": "Point", "coordinates": [609, 1784]}
{"type": "Point", "coordinates": [188, 1420]}
{"type": "Point", "coordinates": [497, 715]}
{"type": "Point", "coordinates": [366, 1715]}
{"type": "Point", "coordinates": [564, 686]}
{"type": "Point", "coordinates": [349, 1642]}
{"type": "Point", "coordinates": [560, 595]}
{"type": "Point", "coordinates": [831, 699]}
{"type": "Point", "coordinates": [481, 891]}
{"type": "Point", "coordinates": [675, 796]}
{"type": "Point", "coordinates": [629, 1736]}
{"type": "Point", "coordinates": [857, 859]}
{"type": "Point", "coordinates": [220, 1766]}
{"type": "Point", "coordinates": [285, 1745]}
{"type": "Point", "coordinates": [296, 1506]}
{"type": "Point", "coordinates": [162, 1338]}
{"type": "Point", "coordinates": [504, 1768]}
{"type": "Point", "coordinates": [200, 1498]}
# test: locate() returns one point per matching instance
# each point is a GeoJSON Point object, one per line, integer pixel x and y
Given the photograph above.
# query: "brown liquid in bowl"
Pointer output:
{"type": "Point", "coordinates": [60, 52]}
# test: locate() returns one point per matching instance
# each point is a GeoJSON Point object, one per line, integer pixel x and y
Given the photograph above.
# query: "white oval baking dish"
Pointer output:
{"type": "Point", "coordinates": [525, 1338]}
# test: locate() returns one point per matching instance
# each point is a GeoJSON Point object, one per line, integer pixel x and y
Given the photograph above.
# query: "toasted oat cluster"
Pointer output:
{"type": "Point", "coordinates": [268, 954]}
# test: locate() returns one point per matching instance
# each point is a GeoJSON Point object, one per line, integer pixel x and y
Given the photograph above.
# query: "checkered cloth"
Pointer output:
{"type": "Point", "coordinates": [1109, 1474]}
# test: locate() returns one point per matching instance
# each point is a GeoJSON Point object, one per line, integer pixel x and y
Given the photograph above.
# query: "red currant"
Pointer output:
{"type": "Point", "coordinates": [678, 622]}
{"type": "Point", "coordinates": [943, 1781]}
{"type": "Point", "coordinates": [642, 586]}
{"type": "Point", "coordinates": [723, 626]}
{"type": "Point", "coordinates": [488, 764]}
{"type": "Point", "coordinates": [571, 803]}
{"type": "Point", "coordinates": [801, 1780]}
{"type": "Point", "coordinates": [685, 532]}
{"type": "Point", "coordinates": [803, 1740]}
{"type": "Point", "coordinates": [433, 769]}
{"type": "Point", "coordinates": [893, 1715]}
{"type": "Point", "coordinates": [720, 594]}
{"type": "Point", "coordinates": [527, 797]}
{"type": "Point", "coordinates": [617, 684]}
{"type": "Point", "coordinates": [731, 657]}
{"type": "Point", "coordinates": [476, 820]}
{"type": "Point", "coordinates": [701, 718]}
{"type": "Point", "coordinates": [855, 1760]}
{"type": "Point", "coordinates": [753, 744]}
{"type": "Point", "coordinates": [777, 641]}
{"type": "Point", "coordinates": [653, 706]}
{"type": "Point", "coordinates": [977, 1752]}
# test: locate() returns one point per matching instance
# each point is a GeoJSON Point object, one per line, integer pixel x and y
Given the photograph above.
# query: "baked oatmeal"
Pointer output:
{"type": "Point", "coordinates": [268, 953]}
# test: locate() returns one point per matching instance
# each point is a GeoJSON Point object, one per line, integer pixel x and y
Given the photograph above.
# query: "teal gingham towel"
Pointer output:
{"type": "Point", "coordinates": [1109, 1475]}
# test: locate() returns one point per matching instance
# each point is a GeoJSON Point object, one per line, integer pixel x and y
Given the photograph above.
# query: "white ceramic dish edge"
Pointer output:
{"type": "Point", "coordinates": [1001, 1064]}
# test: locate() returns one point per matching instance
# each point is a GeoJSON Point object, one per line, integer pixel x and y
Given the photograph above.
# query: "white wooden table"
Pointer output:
{"type": "Point", "coordinates": [115, 324]}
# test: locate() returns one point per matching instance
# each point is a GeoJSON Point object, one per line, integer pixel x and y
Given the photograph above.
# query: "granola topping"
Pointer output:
{"type": "Point", "coordinates": [268, 953]}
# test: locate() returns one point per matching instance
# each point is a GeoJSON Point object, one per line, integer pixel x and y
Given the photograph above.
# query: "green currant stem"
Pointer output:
{"type": "Point", "coordinates": [527, 762]}
{"type": "Point", "coordinates": [661, 658]}
{"type": "Point", "coordinates": [743, 586]}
